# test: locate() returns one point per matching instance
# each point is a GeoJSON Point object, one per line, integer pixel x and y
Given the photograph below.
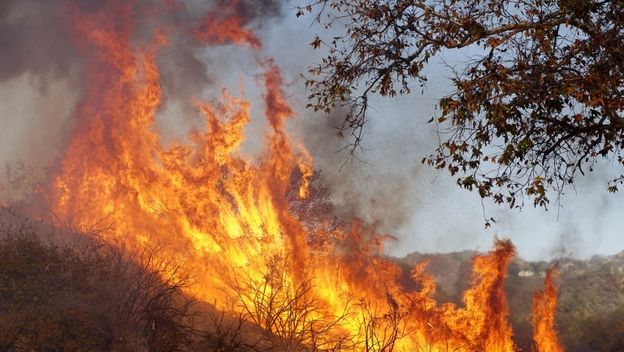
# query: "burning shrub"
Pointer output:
{"type": "Point", "coordinates": [289, 314]}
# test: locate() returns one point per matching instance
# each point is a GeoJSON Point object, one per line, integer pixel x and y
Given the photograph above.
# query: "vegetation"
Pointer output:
{"type": "Point", "coordinates": [290, 318]}
{"type": "Point", "coordinates": [70, 292]}
{"type": "Point", "coordinates": [540, 100]}
{"type": "Point", "coordinates": [87, 297]}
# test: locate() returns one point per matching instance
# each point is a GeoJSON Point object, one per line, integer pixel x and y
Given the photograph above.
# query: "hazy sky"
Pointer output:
{"type": "Point", "coordinates": [422, 207]}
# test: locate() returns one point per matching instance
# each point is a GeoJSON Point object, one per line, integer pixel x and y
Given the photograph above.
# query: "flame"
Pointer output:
{"type": "Point", "coordinates": [484, 321]}
{"type": "Point", "coordinates": [227, 216]}
{"type": "Point", "coordinates": [223, 25]}
{"type": "Point", "coordinates": [544, 308]}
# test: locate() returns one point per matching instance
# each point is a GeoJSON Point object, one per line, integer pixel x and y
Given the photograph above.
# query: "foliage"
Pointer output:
{"type": "Point", "coordinates": [540, 99]}
{"type": "Point", "coordinates": [591, 305]}
{"type": "Point", "coordinates": [606, 333]}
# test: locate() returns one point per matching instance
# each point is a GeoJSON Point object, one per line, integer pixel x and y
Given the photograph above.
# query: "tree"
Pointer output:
{"type": "Point", "coordinates": [541, 101]}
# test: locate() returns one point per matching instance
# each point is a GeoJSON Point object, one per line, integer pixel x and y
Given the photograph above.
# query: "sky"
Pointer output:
{"type": "Point", "coordinates": [423, 208]}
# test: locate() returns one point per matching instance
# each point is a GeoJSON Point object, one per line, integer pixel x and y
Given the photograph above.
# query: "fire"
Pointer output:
{"type": "Point", "coordinates": [228, 218]}
{"type": "Point", "coordinates": [224, 25]}
{"type": "Point", "coordinates": [544, 308]}
{"type": "Point", "coordinates": [485, 318]}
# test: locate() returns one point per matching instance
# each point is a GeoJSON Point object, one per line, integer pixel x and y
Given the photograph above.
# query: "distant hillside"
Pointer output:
{"type": "Point", "coordinates": [590, 313]}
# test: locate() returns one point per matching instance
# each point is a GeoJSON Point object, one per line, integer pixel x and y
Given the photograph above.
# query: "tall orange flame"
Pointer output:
{"type": "Point", "coordinates": [544, 308]}
{"type": "Point", "coordinates": [228, 217]}
{"type": "Point", "coordinates": [485, 318]}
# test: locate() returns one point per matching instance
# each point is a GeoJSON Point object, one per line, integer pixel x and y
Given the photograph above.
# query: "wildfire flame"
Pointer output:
{"type": "Point", "coordinates": [544, 308]}
{"type": "Point", "coordinates": [224, 25]}
{"type": "Point", "coordinates": [228, 218]}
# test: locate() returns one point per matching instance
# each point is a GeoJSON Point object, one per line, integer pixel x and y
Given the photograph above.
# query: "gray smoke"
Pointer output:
{"type": "Point", "coordinates": [33, 40]}
{"type": "Point", "coordinates": [34, 34]}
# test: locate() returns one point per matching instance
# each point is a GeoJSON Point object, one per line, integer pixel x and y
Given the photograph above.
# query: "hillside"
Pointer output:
{"type": "Point", "coordinates": [47, 292]}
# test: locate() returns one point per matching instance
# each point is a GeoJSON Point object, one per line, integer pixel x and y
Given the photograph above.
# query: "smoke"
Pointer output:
{"type": "Point", "coordinates": [33, 40]}
{"type": "Point", "coordinates": [373, 189]}
{"type": "Point", "coordinates": [42, 75]}
{"type": "Point", "coordinates": [381, 188]}
{"type": "Point", "coordinates": [187, 68]}
{"type": "Point", "coordinates": [34, 34]}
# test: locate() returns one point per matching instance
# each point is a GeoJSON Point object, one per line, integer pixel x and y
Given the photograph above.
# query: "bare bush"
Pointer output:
{"type": "Point", "coordinates": [381, 329]}
{"type": "Point", "coordinates": [291, 317]}
{"type": "Point", "coordinates": [150, 295]}
{"type": "Point", "coordinates": [231, 334]}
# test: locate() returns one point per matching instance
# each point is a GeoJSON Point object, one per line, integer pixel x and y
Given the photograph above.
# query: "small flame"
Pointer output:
{"type": "Point", "coordinates": [223, 25]}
